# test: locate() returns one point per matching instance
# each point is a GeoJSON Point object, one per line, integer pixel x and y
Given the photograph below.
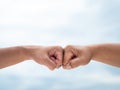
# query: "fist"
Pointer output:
{"type": "Point", "coordinates": [75, 56]}
{"type": "Point", "coordinates": [49, 56]}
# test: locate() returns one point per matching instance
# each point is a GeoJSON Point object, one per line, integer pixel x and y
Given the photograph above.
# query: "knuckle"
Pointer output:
{"type": "Point", "coordinates": [52, 68]}
{"type": "Point", "coordinates": [64, 67]}
{"type": "Point", "coordinates": [69, 47]}
{"type": "Point", "coordinates": [58, 47]}
{"type": "Point", "coordinates": [72, 65]}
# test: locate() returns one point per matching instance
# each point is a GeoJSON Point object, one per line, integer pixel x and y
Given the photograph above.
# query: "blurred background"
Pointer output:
{"type": "Point", "coordinates": [59, 22]}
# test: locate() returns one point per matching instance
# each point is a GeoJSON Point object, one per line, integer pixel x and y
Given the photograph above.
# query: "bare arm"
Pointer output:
{"type": "Point", "coordinates": [106, 53]}
{"type": "Point", "coordinates": [12, 55]}
{"type": "Point", "coordinates": [48, 56]}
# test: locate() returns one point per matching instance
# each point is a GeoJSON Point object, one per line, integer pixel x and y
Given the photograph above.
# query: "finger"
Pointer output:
{"type": "Point", "coordinates": [57, 55]}
{"type": "Point", "coordinates": [49, 63]}
{"type": "Point", "coordinates": [67, 57]}
{"type": "Point", "coordinates": [68, 66]}
{"type": "Point", "coordinates": [59, 58]}
{"type": "Point", "coordinates": [67, 54]}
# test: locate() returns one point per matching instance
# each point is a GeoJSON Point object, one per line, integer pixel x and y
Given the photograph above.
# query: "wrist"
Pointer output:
{"type": "Point", "coordinates": [93, 50]}
{"type": "Point", "coordinates": [98, 51]}
{"type": "Point", "coordinates": [27, 52]}
{"type": "Point", "coordinates": [30, 51]}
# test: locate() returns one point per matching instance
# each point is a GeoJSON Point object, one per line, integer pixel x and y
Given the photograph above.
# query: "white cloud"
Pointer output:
{"type": "Point", "coordinates": [39, 13]}
{"type": "Point", "coordinates": [12, 36]}
{"type": "Point", "coordinates": [60, 22]}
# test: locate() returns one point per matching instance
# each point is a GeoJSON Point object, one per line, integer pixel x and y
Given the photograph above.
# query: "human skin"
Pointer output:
{"type": "Point", "coordinates": [75, 56]}
{"type": "Point", "coordinates": [49, 56]}
{"type": "Point", "coordinates": [52, 56]}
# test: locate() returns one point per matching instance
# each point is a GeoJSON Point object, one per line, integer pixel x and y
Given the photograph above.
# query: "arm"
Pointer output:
{"type": "Point", "coordinates": [12, 55]}
{"type": "Point", "coordinates": [81, 55]}
{"type": "Point", "coordinates": [48, 56]}
{"type": "Point", "coordinates": [106, 53]}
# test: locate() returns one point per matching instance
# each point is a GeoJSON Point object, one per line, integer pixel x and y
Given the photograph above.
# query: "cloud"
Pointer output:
{"type": "Point", "coordinates": [39, 13]}
{"type": "Point", "coordinates": [59, 22]}
{"type": "Point", "coordinates": [61, 81]}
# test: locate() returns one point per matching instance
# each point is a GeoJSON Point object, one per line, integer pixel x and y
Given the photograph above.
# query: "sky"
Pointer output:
{"type": "Point", "coordinates": [59, 22]}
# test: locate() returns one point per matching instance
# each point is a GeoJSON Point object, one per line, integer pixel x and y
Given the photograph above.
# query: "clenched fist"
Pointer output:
{"type": "Point", "coordinates": [75, 56]}
{"type": "Point", "coordinates": [49, 56]}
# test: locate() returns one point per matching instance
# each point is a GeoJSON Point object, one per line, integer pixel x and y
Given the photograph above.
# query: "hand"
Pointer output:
{"type": "Point", "coordinates": [75, 56]}
{"type": "Point", "coordinates": [48, 56]}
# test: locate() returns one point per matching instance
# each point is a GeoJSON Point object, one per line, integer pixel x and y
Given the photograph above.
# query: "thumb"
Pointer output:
{"type": "Point", "coordinates": [78, 62]}
{"type": "Point", "coordinates": [73, 63]}
{"type": "Point", "coordinates": [49, 63]}
{"type": "Point", "coordinates": [67, 57]}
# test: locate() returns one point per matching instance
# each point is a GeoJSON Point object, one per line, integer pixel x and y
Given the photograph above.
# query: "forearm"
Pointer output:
{"type": "Point", "coordinates": [12, 55]}
{"type": "Point", "coordinates": [106, 53]}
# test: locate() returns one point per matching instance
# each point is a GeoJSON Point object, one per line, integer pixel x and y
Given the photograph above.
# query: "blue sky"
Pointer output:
{"type": "Point", "coordinates": [59, 22]}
